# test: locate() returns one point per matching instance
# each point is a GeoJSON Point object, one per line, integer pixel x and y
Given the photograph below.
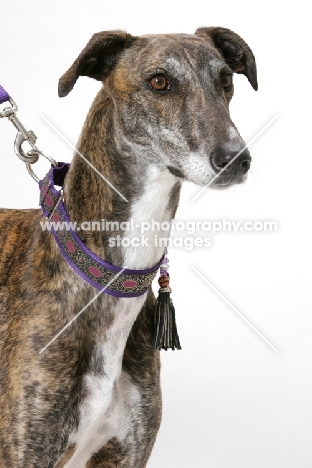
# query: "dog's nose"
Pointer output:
{"type": "Point", "coordinates": [224, 154]}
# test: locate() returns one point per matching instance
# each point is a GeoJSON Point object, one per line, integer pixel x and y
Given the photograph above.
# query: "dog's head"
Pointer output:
{"type": "Point", "coordinates": [170, 97]}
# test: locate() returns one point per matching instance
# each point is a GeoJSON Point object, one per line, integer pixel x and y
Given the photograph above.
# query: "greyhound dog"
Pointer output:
{"type": "Point", "coordinates": [92, 399]}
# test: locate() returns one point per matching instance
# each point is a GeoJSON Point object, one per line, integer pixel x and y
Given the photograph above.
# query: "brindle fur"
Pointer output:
{"type": "Point", "coordinates": [124, 134]}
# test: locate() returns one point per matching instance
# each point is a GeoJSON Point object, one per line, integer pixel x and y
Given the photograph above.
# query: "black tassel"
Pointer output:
{"type": "Point", "coordinates": [165, 328]}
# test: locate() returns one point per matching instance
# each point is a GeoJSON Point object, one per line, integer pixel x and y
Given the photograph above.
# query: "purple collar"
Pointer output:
{"type": "Point", "coordinates": [94, 270]}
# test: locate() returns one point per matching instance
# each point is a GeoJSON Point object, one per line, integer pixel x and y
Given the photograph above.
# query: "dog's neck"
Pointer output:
{"type": "Point", "coordinates": [152, 193]}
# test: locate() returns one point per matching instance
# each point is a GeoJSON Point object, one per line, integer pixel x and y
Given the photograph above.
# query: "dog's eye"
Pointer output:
{"type": "Point", "coordinates": [159, 83]}
{"type": "Point", "coordinates": [226, 81]}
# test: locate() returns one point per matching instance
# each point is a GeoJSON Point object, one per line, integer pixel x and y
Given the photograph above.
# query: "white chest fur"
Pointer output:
{"type": "Point", "coordinates": [110, 399]}
{"type": "Point", "coordinates": [151, 208]}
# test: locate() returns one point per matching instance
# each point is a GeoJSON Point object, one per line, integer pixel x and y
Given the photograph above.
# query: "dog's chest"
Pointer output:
{"type": "Point", "coordinates": [108, 412]}
{"type": "Point", "coordinates": [110, 402]}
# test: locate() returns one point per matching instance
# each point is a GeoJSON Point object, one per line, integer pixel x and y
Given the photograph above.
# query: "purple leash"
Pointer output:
{"type": "Point", "coordinates": [4, 96]}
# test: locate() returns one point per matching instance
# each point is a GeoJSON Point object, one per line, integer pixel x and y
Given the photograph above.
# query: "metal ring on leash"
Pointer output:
{"type": "Point", "coordinates": [8, 110]}
{"type": "Point", "coordinates": [36, 152]}
{"type": "Point", "coordinates": [31, 156]}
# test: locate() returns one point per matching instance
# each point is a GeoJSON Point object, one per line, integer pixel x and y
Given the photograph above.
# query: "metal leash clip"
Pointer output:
{"type": "Point", "coordinates": [31, 156]}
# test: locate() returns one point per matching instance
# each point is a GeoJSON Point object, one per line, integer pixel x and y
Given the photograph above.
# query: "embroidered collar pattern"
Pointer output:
{"type": "Point", "coordinates": [90, 267]}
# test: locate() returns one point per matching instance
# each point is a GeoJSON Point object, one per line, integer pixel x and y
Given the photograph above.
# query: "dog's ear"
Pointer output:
{"type": "Point", "coordinates": [234, 50]}
{"type": "Point", "coordinates": [96, 59]}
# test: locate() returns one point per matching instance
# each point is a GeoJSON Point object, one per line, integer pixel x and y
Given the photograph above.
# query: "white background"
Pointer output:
{"type": "Point", "coordinates": [230, 401]}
